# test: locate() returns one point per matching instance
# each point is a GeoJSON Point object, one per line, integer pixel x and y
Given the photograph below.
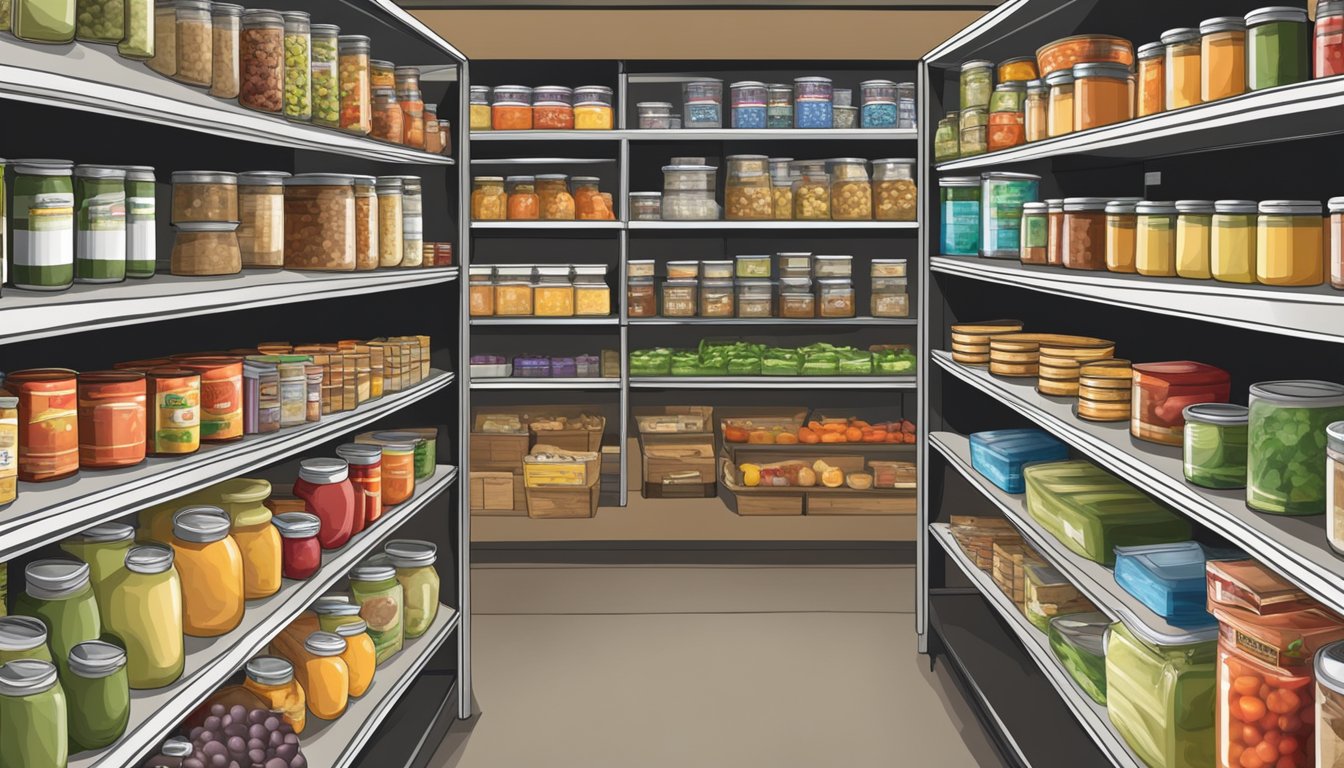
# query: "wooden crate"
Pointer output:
{"type": "Point", "coordinates": [542, 474]}
{"type": "Point", "coordinates": [664, 455]}
{"type": "Point", "coordinates": [1010, 573]}
{"type": "Point", "coordinates": [848, 501]}
{"type": "Point", "coordinates": [750, 502]}
{"type": "Point", "coordinates": [562, 503]}
{"type": "Point", "coordinates": [491, 492]}
{"type": "Point", "coordinates": [694, 419]}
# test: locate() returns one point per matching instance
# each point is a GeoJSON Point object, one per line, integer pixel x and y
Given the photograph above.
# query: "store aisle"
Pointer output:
{"type": "Point", "coordinates": [733, 666]}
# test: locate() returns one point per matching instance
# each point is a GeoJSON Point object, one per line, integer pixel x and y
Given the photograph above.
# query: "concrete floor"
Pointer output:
{"type": "Point", "coordinates": [732, 666]}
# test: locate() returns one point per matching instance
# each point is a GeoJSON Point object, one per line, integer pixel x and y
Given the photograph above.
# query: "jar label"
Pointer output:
{"type": "Point", "coordinates": [9, 447]}
{"type": "Point", "coordinates": [102, 228]}
{"type": "Point", "coordinates": [1258, 649]}
{"type": "Point", "coordinates": [140, 208]}
{"type": "Point", "coordinates": [961, 227]}
{"type": "Point", "coordinates": [1034, 232]}
{"type": "Point", "coordinates": [45, 241]}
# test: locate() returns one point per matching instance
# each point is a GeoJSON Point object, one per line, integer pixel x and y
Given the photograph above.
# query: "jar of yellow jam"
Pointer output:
{"type": "Point", "coordinates": [1232, 249]}
{"type": "Point", "coordinates": [1194, 229]}
{"type": "Point", "coordinates": [1290, 247]}
{"type": "Point", "coordinates": [1155, 239]}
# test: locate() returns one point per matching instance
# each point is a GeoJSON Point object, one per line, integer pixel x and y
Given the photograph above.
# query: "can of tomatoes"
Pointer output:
{"type": "Point", "coordinates": [221, 396]}
{"type": "Point", "coordinates": [48, 423]}
{"type": "Point", "coordinates": [111, 418]}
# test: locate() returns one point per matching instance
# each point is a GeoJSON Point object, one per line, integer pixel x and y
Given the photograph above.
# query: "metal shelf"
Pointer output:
{"type": "Point", "coordinates": [772, 382]}
{"type": "Point", "coordinates": [1312, 313]}
{"type": "Point", "coordinates": [47, 512]}
{"type": "Point", "coordinates": [336, 743]}
{"type": "Point", "coordinates": [1092, 579]}
{"type": "Point", "coordinates": [580, 225]}
{"type": "Point", "coordinates": [535, 321]}
{"type": "Point", "coordinates": [773, 321]}
{"type": "Point", "coordinates": [773, 225]}
{"type": "Point", "coordinates": [778, 134]}
{"type": "Point", "coordinates": [27, 315]}
{"type": "Point", "coordinates": [1296, 547]}
{"type": "Point", "coordinates": [571, 135]}
{"type": "Point", "coordinates": [545, 384]}
{"type": "Point", "coordinates": [1092, 716]}
{"type": "Point", "coordinates": [211, 661]}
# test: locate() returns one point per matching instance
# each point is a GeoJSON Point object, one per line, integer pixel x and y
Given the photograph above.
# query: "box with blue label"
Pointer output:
{"type": "Point", "coordinates": [1000, 454]}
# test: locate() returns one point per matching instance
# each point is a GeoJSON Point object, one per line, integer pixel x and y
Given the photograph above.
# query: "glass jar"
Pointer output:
{"type": "Point", "coordinates": [323, 675]}
{"type": "Point", "coordinates": [111, 419]}
{"type": "Point", "coordinates": [851, 192]}
{"type": "Point", "coordinates": [890, 297]}
{"type": "Point", "coordinates": [895, 197]}
{"type": "Point", "coordinates": [412, 222]}
{"type": "Point", "coordinates": [366, 477]}
{"type": "Point", "coordinates": [1288, 245]}
{"type": "Point", "coordinates": [355, 98]}
{"type": "Point", "coordinates": [1034, 237]}
{"type": "Point", "coordinates": [9, 451]}
{"type": "Point", "coordinates": [100, 224]}
{"type": "Point", "coordinates": [555, 202]}
{"type": "Point", "coordinates": [326, 490]}
{"type": "Point", "coordinates": [300, 552]}
{"type": "Point", "coordinates": [1059, 107]}
{"type": "Point", "coordinates": [98, 698]}
{"type": "Point", "coordinates": [104, 548]}
{"type": "Point", "coordinates": [1182, 67]}
{"type": "Point", "coordinates": [812, 102]}
{"type": "Point", "coordinates": [23, 637]}
{"type": "Point", "coordinates": [360, 656]}
{"type": "Point", "coordinates": [210, 566]}
{"type": "Point", "coordinates": [1278, 50]}
{"type": "Point", "coordinates": [33, 707]}
{"type": "Point", "coordinates": [592, 108]}
{"type": "Point", "coordinates": [326, 95]}
{"type": "Point", "coordinates": [716, 298]}
{"type": "Point", "coordinates": [242, 499]}
{"type": "Point", "coordinates": [481, 290]}
{"type": "Point", "coordinates": [398, 472]}
{"type": "Point", "coordinates": [1002, 196]}
{"type": "Point", "coordinates": [1155, 246]}
{"type": "Point", "coordinates": [879, 104]}
{"type": "Point", "coordinates": [261, 68]}
{"type": "Point", "coordinates": [1152, 79]}
{"type": "Point", "coordinates": [1329, 668]}
{"type": "Point", "coordinates": [1286, 475]}
{"type": "Point", "coordinates": [513, 298]}
{"type": "Point", "coordinates": [1329, 40]}
{"type": "Point", "coordinates": [293, 394]}
{"type": "Point", "coordinates": [271, 678]}
{"type": "Point", "coordinates": [1006, 116]}
{"type": "Point", "coordinates": [836, 297]}
{"type": "Point", "coordinates": [298, 66]}
{"type": "Point", "coordinates": [1101, 95]}
{"type": "Point", "coordinates": [140, 230]}
{"type": "Point", "coordinates": [193, 42]}
{"type": "Point", "coordinates": [1232, 245]}
{"type": "Point", "coordinates": [680, 298]}
{"type": "Point", "coordinates": [382, 74]}
{"type": "Point", "coordinates": [138, 40]}
{"type": "Point", "coordinates": [385, 117]}
{"type": "Point", "coordinates": [414, 561]}
{"type": "Point", "coordinates": [590, 204]}
{"type": "Point", "coordinates": [640, 297]}
{"type": "Point", "coordinates": [58, 592]}
{"type": "Point", "coordinates": [366, 222]}
{"type": "Point", "coordinates": [553, 295]}
{"type": "Point", "coordinates": [1194, 234]}
{"type": "Point", "coordinates": [1084, 242]}
{"type": "Point", "coordinates": [1121, 236]}
{"type": "Point", "coordinates": [163, 56]}
{"type": "Point", "coordinates": [205, 248]}
{"type": "Point", "coordinates": [748, 104]}
{"type": "Point", "coordinates": [747, 195]}
{"type": "Point", "coordinates": [654, 115]}
{"type": "Point", "coordinates": [1215, 445]}
{"type": "Point", "coordinates": [778, 106]}
{"type": "Point", "coordinates": [381, 601]}
{"type": "Point", "coordinates": [479, 118]}
{"type": "Point", "coordinates": [959, 218]}
{"type": "Point", "coordinates": [976, 83]}
{"type": "Point", "coordinates": [391, 246]}
{"type": "Point", "coordinates": [225, 25]}
{"type": "Point", "coordinates": [412, 106]}
{"type": "Point", "coordinates": [1222, 58]}
{"type": "Point", "coordinates": [320, 222]}
{"type": "Point", "coordinates": [42, 249]}
{"type": "Point", "coordinates": [947, 139]}
{"type": "Point", "coordinates": [592, 295]}
{"type": "Point", "coordinates": [315, 375]}
{"type": "Point", "coordinates": [200, 196]}
{"type": "Point", "coordinates": [645, 206]}
{"type": "Point", "coordinates": [974, 132]}
{"type": "Point", "coordinates": [1035, 120]}
{"type": "Point", "coordinates": [1335, 223]}
{"type": "Point", "coordinates": [261, 214]}
{"type": "Point", "coordinates": [755, 298]}
{"type": "Point", "coordinates": [143, 612]}
{"type": "Point", "coordinates": [811, 191]}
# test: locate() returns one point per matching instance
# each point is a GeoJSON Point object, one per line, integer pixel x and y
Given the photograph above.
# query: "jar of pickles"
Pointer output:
{"type": "Point", "coordinates": [326, 94]}
{"type": "Point", "coordinates": [1035, 111]}
{"type": "Point", "coordinates": [556, 204]}
{"type": "Point", "coordinates": [1152, 79]}
{"type": "Point", "coordinates": [553, 108]}
{"type": "Point", "coordinates": [976, 83]}
{"type": "Point", "coordinates": [479, 118]}
{"type": "Point", "coordinates": [1182, 67]}
{"type": "Point", "coordinates": [511, 108]}
{"type": "Point", "coordinates": [356, 93]}
{"type": "Point", "coordinates": [1155, 242]}
{"type": "Point", "coordinates": [747, 191]}
{"type": "Point", "coordinates": [298, 66]}
{"type": "Point", "coordinates": [1121, 232]}
{"type": "Point", "coordinates": [1059, 105]}
{"type": "Point", "coordinates": [947, 138]}
{"type": "Point", "coordinates": [1215, 445]}
{"type": "Point", "coordinates": [1007, 120]}
{"type": "Point", "coordinates": [489, 200]}
{"type": "Point", "coordinates": [1289, 248]}
{"type": "Point", "coordinates": [1278, 48]}
{"type": "Point", "coordinates": [1287, 456]}
{"type": "Point", "coordinates": [592, 108]}
{"type": "Point", "coordinates": [851, 191]}
{"type": "Point", "coordinates": [1194, 233]}
{"type": "Point", "coordinates": [974, 131]}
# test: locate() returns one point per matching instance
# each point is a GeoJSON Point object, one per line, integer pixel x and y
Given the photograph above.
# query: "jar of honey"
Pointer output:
{"type": "Point", "coordinates": [1222, 57]}
{"type": "Point", "coordinates": [489, 201]}
{"type": "Point", "coordinates": [1152, 80]}
{"type": "Point", "coordinates": [1289, 246]}
{"type": "Point", "coordinates": [1100, 95]}
{"type": "Point", "coordinates": [1182, 67]}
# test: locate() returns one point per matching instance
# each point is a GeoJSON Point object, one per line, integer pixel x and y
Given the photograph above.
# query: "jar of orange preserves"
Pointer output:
{"type": "Point", "coordinates": [552, 108]}
{"type": "Point", "coordinates": [111, 418]}
{"type": "Point", "coordinates": [489, 201]}
{"type": "Point", "coordinates": [1222, 56]}
{"type": "Point", "coordinates": [511, 108]}
{"type": "Point", "coordinates": [398, 472]}
{"type": "Point", "coordinates": [1182, 67]}
{"type": "Point", "coordinates": [588, 200]}
{"type": "Point", "coordinates": [523, 203]}
{"type": "Point", "coordinates": [48, 423]}
{"type": "Point", "coordinates": [1100, 95]}
{"type": "Point", "coordinates": [556, 202]}
{"type": "Point", "coordinates": [1152, 79]}
{"type": "Point", "coordinates": [211, 568]}
{"type": "Point", "coordinates": [481, 290]}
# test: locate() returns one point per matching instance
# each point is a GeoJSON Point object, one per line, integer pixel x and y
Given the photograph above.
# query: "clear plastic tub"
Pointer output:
{"type": "Point", "coordinates": [752, 266]}
{"type": "Point", "coordinates": [836, 297]}
{"type": "Point", "coordinates": [654, 115]}
{"type": "Point", "coordinates": [755, 298]}
{"type": "Point", "coordinates": [680, 298]}
{"type": "Point", "coordinates": [717, 270]}
{"type": "Point", "coordinates": [646, 206]}
{"type": "Point", "coordinates": [851, 191]}
{"type": "Point", "coordinates": [683, 270]}
{"type": "Point", "coordinates": [833, 266]}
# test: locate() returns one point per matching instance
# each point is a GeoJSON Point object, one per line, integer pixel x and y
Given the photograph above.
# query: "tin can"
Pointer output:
{"type": "Point", "coordinates": [111, 418]}
{"type": "Point", "coordinates": [173, 426]}
{"type": "Point", "coordinates": [221, 396]}
{"type": "Point", "coordinates": [48, 423]}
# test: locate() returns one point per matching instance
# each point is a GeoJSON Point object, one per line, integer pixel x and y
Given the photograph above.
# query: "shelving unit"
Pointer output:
{"type": "Point", "coordinates": [1170, 156]}
{"type": "Point", "coordinates": [141, 117]}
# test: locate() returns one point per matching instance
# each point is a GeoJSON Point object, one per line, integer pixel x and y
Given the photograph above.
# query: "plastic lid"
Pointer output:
{"type": "Point", "coordinates": [360, 453]}
{"type": "Point", "coordinates": [149, 559]}
{"type": "Point", "coordinates": [262, 178]}
{"type": "Point", "coordinates": [54, 579]}
{"type": "Point", "coordinates": [1179, 35]}
{"type": "Point", "coordinates": [1302, 393]}
{"type": "Point", "coordinates": [25, 677]}
{"type": "Point", "coordinates": [296, 525]}
{"type": "Point", "coordinates": [324, 471]}
{"type": "Point", "coordinates": [1222, 24]}
{"type": "Point", "coordinates": [352, 628]}
{"type": "Point", "coordinates": [1009, 176]}
{"type": "Point", "coordinates": [816, 79]}
{"type": "Point", "coordinates": [226, 9]}
{"type": "Point", "coordinates": [1176, 637]}
{"type": "Point", "coordinates": [100, 172]}
{"type": "Point", "coordinates": [1062, 77]}
{"type": "Point", "coordinates": [411, 553]}
{"type": "Point", "coordinates": [1083, 204]}
{"type": "Point", "coordinates": [1291, 207]}
{"type": "Point", "coordinates": [200, 525]}
{"type": "Point", "coordinates": [1194, 206]}
{"type": "Point", "coordinates": [295, 15]}
{"type": "Point", "coordinates": [520, 179]}
{"type": "Point", "coordinates": [270, 670]}
{"type": "Point", "coordinates": [372, 570]}
{"type": "Point", "coordinates": [1155, 207]}
{"type": "Point", "coordinates": [1012, 85]}
{"type": "Point", "coordinates": [21, 633]}
{"type": "Point", "coordinates": [94, 659]}
{"type": "Point", "coordinates": [254, 16]}
{"type": "Point", "coordinates": [1276, 13]}
{"type": "Point", "coordinates": [1236, 206]}
{"type": "Point", "coordinates": [641, 195]}
{"type": "Point", "coordinates": [747, 84]}
{"type": "Point", "coordinates": [105, 533]}
{"type": "Point", "coordinates": [959, 181]}
{"type": "Point", "coordinates": [1221, 414]}
{"type": "Point", "coordinates": [204, 177]}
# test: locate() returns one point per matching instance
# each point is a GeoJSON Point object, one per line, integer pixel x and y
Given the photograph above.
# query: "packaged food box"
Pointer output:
{"type": "Point", "coordinates": [1000, 454]}
{"type": "Point", "coordinates": [893, 474]}
{"type": "Point", "coordinates": [1049, 594]}
{"type": "Point", "coordinates": [1169, 579]}
{"type": "Point", "coordinates": [547, 467]}
{"type": "Point", "coordinates": [1078, 641]}
{"type": "Point", "coordinates": [674, 419]}
{"type": "Point", "coordinates": [1092, 512]}
{"type": "Point", "coordinates": [1010, 561]}
{"type": "Point", "coordinates": [977, 536]}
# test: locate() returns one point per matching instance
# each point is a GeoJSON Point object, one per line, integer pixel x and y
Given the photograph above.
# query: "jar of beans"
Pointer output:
{"type": "Point", "coordinates": [163, 54]}
{"type": "Point", "coordinates": [320, 222]}
{"type": "Point", "coordinates": [97, 21]}
{"type": "Point", "coordinates": [390, 245]}
{"type": "Point", "coordinates": [205, 248]}
{"type": "Point", "coordinates": [261, 209]}
{"type": "Point", "coordinates": [366, 223]}
{"type": "Point", "coordinates": [353, 78]}
{"type": "Point", "coordinates": [193, 42]}
{"type": "Point", "coordinates": [225, 24]}
{"type": "Point", "coordinates": [138, 40]}
{"type": "Point", "coordinates": [851, 192]}
{"type": "Point", "coordinates": [261, 60]}
{"type": "Point", "coordinates": [894, 197]}
{"type": "Point", "coordinates": [298, 66]}
{"type": "Point", "coordinates": [553, 193]}
{"type": "Point", "coordinates": [326, 95]}
{"type": "Point", "coordinates": [204, 196]}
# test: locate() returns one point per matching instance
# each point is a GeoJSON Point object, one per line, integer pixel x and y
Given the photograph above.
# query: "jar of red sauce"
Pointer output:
{"type": "Point", "coordinates": [1161, 392]}
{"type": "Point", "coordinates": [111, 419]}
{"type": "Point", "coordinates": [398, 472]}
{"type": "Point", "coordinates": [48, 423]}
{"type": "Point", "coordinates": [300, 552]}
{"type": "Point", "coordinates": [324, 485]}
{"type": "Point", "coordinates": [1329, 56]}
{"type": "Point", "coordinates": [366, 475]}
{"type": "Point", "coordinates": [221, 396]}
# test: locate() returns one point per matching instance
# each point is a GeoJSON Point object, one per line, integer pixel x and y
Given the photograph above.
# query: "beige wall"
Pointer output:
{"type": "Point", "coordinates": [696, 34]}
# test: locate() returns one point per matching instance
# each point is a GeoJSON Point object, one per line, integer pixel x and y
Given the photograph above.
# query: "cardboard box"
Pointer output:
{"type": "Point", "coordinates": [665, 455]}
{"type": "Point", "coordinates": [539, 472]}
{"type": "Point", "coordinates": [674, 419]}
{"type": "Point", "coordinates": [561, 503]}
{"type": "Point", "coordinates": [498, 451]}
{"type": "Point", "coordinates": [574, 439]}
{"type": "Point", "coordinates": [491, 491]}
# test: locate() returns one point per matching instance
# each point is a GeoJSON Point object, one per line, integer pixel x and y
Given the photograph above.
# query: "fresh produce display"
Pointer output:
{"type": "Point", "coordinates": [828, 431]}
{"type": "Point", "coordinates": [798, 474]}
{"type": "Point", "coordinates": [716, 357]}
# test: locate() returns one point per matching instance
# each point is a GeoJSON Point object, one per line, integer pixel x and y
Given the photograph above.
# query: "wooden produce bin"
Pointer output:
{"type": "Point", "coordinates": [674, 419]}
{"type": "Point", "coordinates": [758, 501]}
{"type": "Point", "coordinates": [556, 503]}
{"type": "Point", "coordinates": [543, 473]}
{"type": "Point", "coordinates": [677, 466]}
{"type": "Point", "coordinates": [498, 451]}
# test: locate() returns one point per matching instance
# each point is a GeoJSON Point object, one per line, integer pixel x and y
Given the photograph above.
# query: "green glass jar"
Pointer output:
{"type": "Point", "coordinates": [333, 611]}
{"type": "Point", "coordinates": [414, 561]}
{"type": "Point", "coordinates": [138, 40]}
{"type": "Point", "coordinates": [974, 135]}
{"type": "Point", "coordinates": [5, 10]}
{"type": "Point", "coordinates": [97, 695]}
{"type": "Point", "coordinates": [141, 240]}
{"type": "Point", "coordinates": [381, 601]}
{"type": "Point", "coordinates": [1278, 47]}
{"type": "Point", "coordinates": [298, 66]}
{"type": "Point", "coordinates": [58, 592]}
{"type": "Point", "coordinates": [976, 83]}
{"type": "Point", "coordinates": [42, 255]}
{"type": "Point", "coordinates": [1215, 445]}
{"type": "Point", "coordinates": [326, 94]}
{"type": "Point", "coordinates": [100, 21]}
{"type": "Point", "coordinates": [44, 21]}
{"type": "Point", "coordinates": [23, 637]}
{"type": "Point", "coordinates": [1286, 454]}
{"type": "Point", "coordinates": [947, 140]}
{"type": "Point", "coordinates": [104, 548]}
{"type": "Point", "coordinates": [33, 731]}
{"type": "Point", "coordinates": [100, 224]}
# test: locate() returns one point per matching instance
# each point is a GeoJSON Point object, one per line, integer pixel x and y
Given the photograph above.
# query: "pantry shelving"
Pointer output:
{"type": "Point", "coordinates": [520, 383]}
{"type": "Point", "coordinates": [543, 321]}
{"type": "Point", "coordinates": [211, 661]}
{"type": "Point", "coordinates": [772, 382]}
{"type": "Point", "coordinates": [773, 321]}
{"type": "Point", "coordinates": [595, 226]}
{"type": "Point", "coordinates": [704, 134]}
{"type": "Point", "coordinates": [799, 226]}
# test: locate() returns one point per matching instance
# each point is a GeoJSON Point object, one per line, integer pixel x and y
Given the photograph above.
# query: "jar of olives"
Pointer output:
{"type": "Point", "coordinates": [851, 192]}
{"type": "Point", "coordinates": [99, 21]}
{"type": "Point", "coordinates": [298, 66]}
{"type": "Point", "coordinates": [811, 191]}
{"type": "Point", "coordinates": [138, 40]}
{"type": "Point", "coordinates": [894, 194]}
{"type": "Point", "coordinates": [747, 192]}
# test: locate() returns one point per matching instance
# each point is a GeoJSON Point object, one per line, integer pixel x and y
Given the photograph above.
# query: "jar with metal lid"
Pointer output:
{"type": "Point", "coordinates": [326, 97]}
{"type": "Point", "coordinates": [137, 42]}
{"type": "Point", "coordinates": [976, 83]}
{"type": "Point", "coordinates": [100, 224]}
{"type": "Point", "coordinates": [811, 190]}
{"type": "Point", "coordinates": [947, 138]}
{"type": "Point", "coordinates": [211, 568]}
{"type": "Point", "coordinates": [755, 298]}
{"type": "Point", "coordinates": [1328, 55]}
{"type": "Point", "coordinates": [414, 561]}
{"type": "Point", "coordinates": [479, 118]}
{"type": "Point", "coordinates": [1054, 222]}
{"type": "Point", "coordinates": [1334, 485]}
{"type": "Point", "coordinates": [1214, 448]}
{"type": "Point", "coordinates": [891, 297]}
{"type": "Point", "coordinates": [1194, 235]}
{"type": "Point", "coordinates": [320, 222]}
{"type": "Point", "coordinates": [1335, 226]}
{"type": "Point", "coordinates": [836, 297]}
{"type": "Point", "coordinates": [748, 100]}
{"type": "Point", "coordinates": [382, 74]}
{"type": "Point", "coordinates": [374, 586]}
{"type": "Point", "coordinates": [1006, 116]}
{"type": "Point", "coordinates": [974, 131]}
{"type": "Point", "coordinates": [412, 222]}
{"type": "Point", "coordinates": [412, 106]}
{"type": "Point", "coordinates": [261, 61]}
{"type": "Point", "coordinates": [1059, 104]}
{"type": "Point", "coordinates": [1084, 237]}
{"type": "Point", "coordinates": [1034, 234]}
{"type": "Point", "coordinates": [1152, 79]}
{"type": "Point", "coordinates": [489, 200]}
{"type": "Point", "coordinates": [592, 108]}
{"type": "Point", "coordinates": [646, 206]}
{"type": "Point", "coordinates": [29, 696]}
{"type": "Point", "coordinates": [554, 201]}
{"type": "Point", "coordinates": [1155, 239]}
{"type": "Point", "coordinates": [261, 213]}
{"type": "Point", "coordinates": [1233, 242]}
{"type": "Point", "coordinates": [851, 191]}
{"type": "Point", "coordinates": [225, 25]}
{"type": "Point", "coordinates": [298, 66]}
{"type": "Point", "coordinates": [193, 42]}
{"type": "Point", "coordinates": [1035, 112]}
{"type": "Point", "coordinates": [1289, 249]}
{"type": "Point", "coordinates": [640, 298]}
{"type": "Point", "coordinates": [523, 202]}
{"type": "Point", "coordinates": [204, 196]}
{"type": "Point", "coordinates": [1121, 232]}
{"type": "Point", "coordinates": [366, 223]}
{"type": "Point", "coordinates": [747, 191]}
{"type": "Point", "coordinates": [511, 108]}
{"type": "Point", "coordinates": [391, 246]}
{"type": "Point", "coordinates": [654, 115]}
{"type": "Point", "coordinates": [680, 298]}
{"type": "Point", "coordinates": [1182, 67]}
{"type": "Point", "coordinates": [356, 93]}
{"type": "Point", "coordinates": [1278, 51]}
{"type": "Point", "coordinates": [812, 97]}
{"type": "Point", "coordinates": [959, 219]}
{"type": "Point", "coordinates": [1288, 439]}
{"type": "Point", "coordinates": [1101, 95]}
{"type": "Point", "coordinates": [1002, 196]}
{"type": "Point", "coordinates": [1222, 58]}
{"type": "Point", "coordinates": [206, 248]}
{"type": "Point", "coordinates": [590, 203]}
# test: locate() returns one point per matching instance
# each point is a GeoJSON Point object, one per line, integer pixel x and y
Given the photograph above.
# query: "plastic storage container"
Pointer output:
{"type": "Point", "coordinates": [1161, 392]}
{"type": "Point", "coordinates": [1215, 445]}
{"type": "Point", "coordinates": [895, 196]}
{"type": "Point", "coordinates": [748, 99]}
{"type": "Point", "coordinates": [1169, 579]}
{"type": "Point", "coordinates": [747, 195]}
{"type": "Point", "coordinates": [1078, 641]}
{"type": "Point", "coordinates": [592, 108]}
{"type": "Point", "coordinates": [959, 222]}
{"type": "Point", "coordinates": [703, 104]}
{"type": "Point", "coordinates": [812, 102]}
{"type": "Point", "coordinates": [511, 108]}
{"type": "Point", "coordinates": [1002, 195]}
{"type": "Point", "coordinates": [320, 222]}
{"type": "Point", "coordinates": [1001, 454]}
{"type": "Point", "coordinates": [1286, 458]}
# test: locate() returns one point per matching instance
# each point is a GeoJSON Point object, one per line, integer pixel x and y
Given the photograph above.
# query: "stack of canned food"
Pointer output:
{"type": "Point", "coordinates": [1270, 242]}
{"type": "Point", "coordinates": [811, 102]}
{"type": "Point", "coordinates": [807, 287]}
{"type": "Point", "coordinates": [760, 188]}
{"type": "Point", "coordinates": [542, 290]}
{"type": "Point", "coordinates": [1088, 81]}
{"type": "Point", "coordinates": [544, 108]}
{"type": "Point", "coordinates": [267, 60]}
{"type": "Point", "coordinates": [543, 197]}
